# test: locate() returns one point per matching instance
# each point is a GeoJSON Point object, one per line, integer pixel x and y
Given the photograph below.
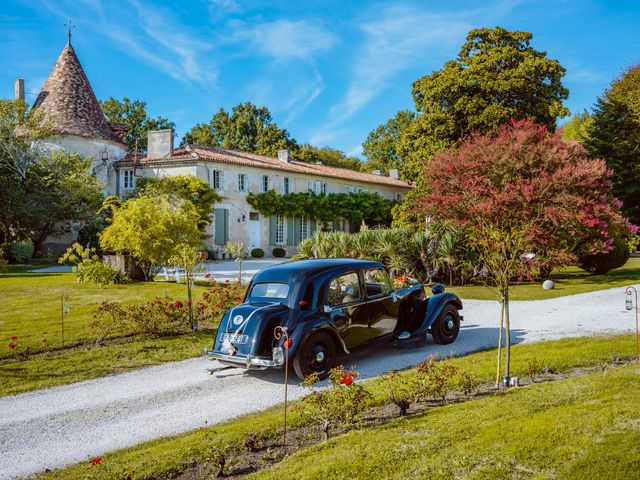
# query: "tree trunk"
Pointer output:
{"type": "Point", "coordinates": [507, 361]}
{"type": "Point", "coordinates": [325, 431]}
{"type": "Point", "coordinates": [500, 342]}
{"type": "Point", "coordinates": [189, 304]}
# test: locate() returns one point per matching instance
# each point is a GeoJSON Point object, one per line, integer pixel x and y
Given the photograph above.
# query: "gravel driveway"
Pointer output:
{"type": "Point", "coordinates": [62, 425]}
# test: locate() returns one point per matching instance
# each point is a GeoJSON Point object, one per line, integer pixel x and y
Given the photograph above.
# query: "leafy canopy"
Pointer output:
{"type": "Point", "coordinates": [150, 228]}
{"type": "Point", "coordinates": [186, 188]}
{"type": "Point", "coordinates": [382, 145]}
{"type": "Point", "coordinates": [614, 134]}
{"type": "Point", "coordinates": [327, 156]}
{"type": "Point", "coordinates": [542, 192]}
{"type": "Point", "coordinates": [355, 207]}
{"type": "Point", "coordinates": [496, 76]}
{"type": "Point", "coordinates": [133, 113]}
{"type": "Point", "coordinates": [576, 127]}
{"type": "Point", "coordinates": [248, 128]}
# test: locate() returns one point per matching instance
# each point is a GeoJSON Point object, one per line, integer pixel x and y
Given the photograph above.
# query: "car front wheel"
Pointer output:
{"type": "Point", "coordinates": [447, 326]}
{"type": "Point", "coordinates": [317, 355]}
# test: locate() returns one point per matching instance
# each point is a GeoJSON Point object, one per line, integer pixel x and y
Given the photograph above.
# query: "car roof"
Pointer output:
{"type": "Point", "coordinates": [312, 267]}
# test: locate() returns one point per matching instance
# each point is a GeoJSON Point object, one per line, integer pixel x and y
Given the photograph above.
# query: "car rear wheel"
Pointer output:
{"type": "Point", "coordinates": [317, 355]}
{"type": "Point", "coordinates": [446, 328]}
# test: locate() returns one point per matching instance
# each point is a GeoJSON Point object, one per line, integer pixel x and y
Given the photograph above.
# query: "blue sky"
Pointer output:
{"type": "Point", "coordinates": [329, 71]}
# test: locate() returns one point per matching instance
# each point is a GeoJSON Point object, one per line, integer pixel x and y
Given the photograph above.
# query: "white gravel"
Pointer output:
{"type": "Point", "coordinates": [54, 427]}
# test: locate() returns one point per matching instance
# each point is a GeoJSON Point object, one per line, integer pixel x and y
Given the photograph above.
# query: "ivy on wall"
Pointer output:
{"type": "Point", "coordinates": [355, 207]}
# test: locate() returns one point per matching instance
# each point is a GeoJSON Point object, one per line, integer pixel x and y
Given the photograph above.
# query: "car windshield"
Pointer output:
{"type": "Point", "coordinates": [270, 290]}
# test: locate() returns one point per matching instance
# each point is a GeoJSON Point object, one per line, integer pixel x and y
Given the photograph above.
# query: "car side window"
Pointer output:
{"type": "Point", "coordinates": [344, 289]}
{"type": "Point", "coordinates": [376, 282]}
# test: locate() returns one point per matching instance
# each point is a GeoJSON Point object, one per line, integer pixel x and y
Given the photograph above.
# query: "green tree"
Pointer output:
{"type": "Point", "coordinates": [497, 76]}
{"type": "Point", "coordinates": [248, 128]}
{"type": "Point", "coordinates": [133, 113]}
{"type": "Point", "coordinates": [382, 144]}
{"type": "Point", "coordinates": [327, 156]}
{"type": "Point", "coordinates": [185, 187]}
{"type": "Point", "coordinates": [576, 127]}
{"type": "Point", "coordinates": [150, 228]}
{"type": "Point", "coordinates": [188, 257]}
{"type": "Point", "coordinates": [614, 135]}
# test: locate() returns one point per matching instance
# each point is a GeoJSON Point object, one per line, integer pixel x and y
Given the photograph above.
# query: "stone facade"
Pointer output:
{"type": "Point", "coordinates": [69, 103]}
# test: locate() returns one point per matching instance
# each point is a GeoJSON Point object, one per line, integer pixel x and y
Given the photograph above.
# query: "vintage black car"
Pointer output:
{"type": "Point", "coordinates": [328, 307]}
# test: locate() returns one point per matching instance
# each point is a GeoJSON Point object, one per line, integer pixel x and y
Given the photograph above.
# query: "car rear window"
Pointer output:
{"type": "Point", "coordinates": [270, 290]}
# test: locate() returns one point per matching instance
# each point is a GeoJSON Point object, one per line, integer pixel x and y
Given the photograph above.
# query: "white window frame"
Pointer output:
{"type": "Point", "coordinates": [304, 228]}
{"type": "Point", "coordinates": [286, 185]}
{"type": "Point", "coordinates": [242, 182]}
{"type": "Point", "coordinates": [128, 179]}
{"type": "Point", "coordinates": [280, 229]}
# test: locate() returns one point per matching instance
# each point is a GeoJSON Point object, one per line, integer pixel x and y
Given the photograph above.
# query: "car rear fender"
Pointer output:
{"type": "Point", "coordinates": [320, 326]}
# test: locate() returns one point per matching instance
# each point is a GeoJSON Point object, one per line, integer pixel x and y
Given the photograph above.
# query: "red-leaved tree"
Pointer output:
{"type": "Point", "coordinates": [522, 190]}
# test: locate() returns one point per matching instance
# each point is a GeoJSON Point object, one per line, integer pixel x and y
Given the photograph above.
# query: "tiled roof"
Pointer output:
{"type": "Point", "coordinates": [69, 102]}
{"type": "Point", "coordinates": [220, 155]}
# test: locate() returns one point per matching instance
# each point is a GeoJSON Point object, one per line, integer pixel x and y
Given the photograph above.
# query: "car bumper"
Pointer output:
{"type": "Point", "coordinates": [248, 362]}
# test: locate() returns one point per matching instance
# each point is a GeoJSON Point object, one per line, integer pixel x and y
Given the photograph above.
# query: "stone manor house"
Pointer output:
{"type": "Point", "coordinates": [68, 101]}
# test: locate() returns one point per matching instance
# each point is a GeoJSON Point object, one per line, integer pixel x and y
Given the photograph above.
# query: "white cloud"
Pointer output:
{"type": "Point", "coordinates": [396, 38]}
{"type": "Point", "coordinates": [148, 33]}
{"type": "Point", "coordinates": [282, 39]}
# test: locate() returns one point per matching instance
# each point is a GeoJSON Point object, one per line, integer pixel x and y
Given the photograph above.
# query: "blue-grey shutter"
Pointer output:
{"type": "Point", "coordinates": [272, 230]}
{"type": "Point", "coordinates": [290, 232]}
{"type": "Point", "coordinates": [221, 226]}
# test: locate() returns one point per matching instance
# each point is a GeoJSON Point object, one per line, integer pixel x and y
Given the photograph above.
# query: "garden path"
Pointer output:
{"type": "Point", "coordinates": [50, 428]}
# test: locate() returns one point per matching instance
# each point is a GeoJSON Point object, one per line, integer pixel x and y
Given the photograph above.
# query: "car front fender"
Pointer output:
{"type": "Point", "coordinates": [435, 305]}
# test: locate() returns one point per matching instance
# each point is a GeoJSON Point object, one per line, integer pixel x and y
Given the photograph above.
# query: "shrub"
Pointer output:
{"type": "Point", "coordinates": [89, 268]}
{"type": "Point", "coordinates": [21, 251]}
{"type": "Point", "coordinates": [435, 379]}
{"type": "Point", "coordinates": [279, 252]}
{"type": "Point", "coordinates": [3, 265]}
{"type": "Point", "coordinates": [341, 404]}
{"type": "Point", "coordinates": [601, 263]}
{"type": "Point", "coordinates": [257, 253]}
{"type": "Point", "coordinates": [220, 298]}
{"type": "Point", "coordinates": [401, 390]}
{"type": "Point", "coordinates": [102, 274]}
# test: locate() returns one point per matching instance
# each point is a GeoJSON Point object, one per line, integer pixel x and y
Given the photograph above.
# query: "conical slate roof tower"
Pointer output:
{"type": "Point", "coordinates": [69, 102]}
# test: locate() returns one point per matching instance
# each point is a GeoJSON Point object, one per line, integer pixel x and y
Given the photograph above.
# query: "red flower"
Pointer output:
{"type": "Point", "coordinates": [208, 275]}
{"type": "Point", "coordinates": [239, 299]}
{"type": "Point", "coordinates": [44, 340]}
{"type": "Point", "coordinates": [95, 461]}
{"type": "Point", "coordinates": [287, 343]}
{"type": "Point", "coordinates": [226, 281]}
{"type": "Point", "coordinates": [179, 304]}
{"type": "Point", "coordinates": [100, 308]}
{"type": "Point", "coordinates": [12, 346]}
{"type": "Point", "coordinates": [402, 279]}
{"type": "Point", "coordinates": [14, 338]}
{"type": "Point", "coordinates": [347, 378]}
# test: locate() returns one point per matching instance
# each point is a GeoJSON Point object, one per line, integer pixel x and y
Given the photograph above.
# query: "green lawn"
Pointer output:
{"type": "Point", "coordinates": [30, 309]}
{"type": "Point", "coordinates": [548, 424]}
{"type": "Point", "coordinates": [576, 428]}
{"type": "Point", "coordinates": [569, 281]}
{"type": "Point", "coordinates": [31, 306]}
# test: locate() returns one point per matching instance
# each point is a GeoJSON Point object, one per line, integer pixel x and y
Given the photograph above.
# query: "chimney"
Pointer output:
{"type": "Point", "coordinates": [393, 173]}
{"type": "Point", "coordinates": [377, 172]}
{"type": "Point", "coordinates": [283, 155]}
{"type": "Point", "coordinates": [19, 89]}
{"type": "Point", "coordinates": [160, 143]}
